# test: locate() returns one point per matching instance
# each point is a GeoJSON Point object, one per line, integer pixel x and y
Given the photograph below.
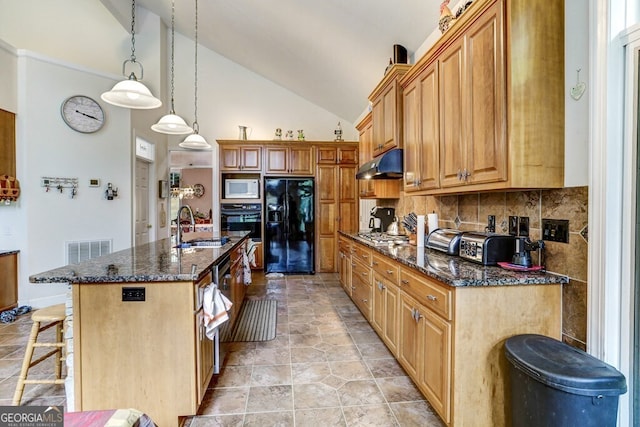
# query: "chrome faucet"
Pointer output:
{"type": "Point", "coordinates": [193, 223]}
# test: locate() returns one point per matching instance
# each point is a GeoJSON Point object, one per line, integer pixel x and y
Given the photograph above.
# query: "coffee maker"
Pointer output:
{"type": "Point", "coordinates": [522, 255]}
{"type": "Point", "coordinates": [381, 218]}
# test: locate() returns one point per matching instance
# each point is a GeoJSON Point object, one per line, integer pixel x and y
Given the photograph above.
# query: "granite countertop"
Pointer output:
{"type": "Point", "coordinates": [455, 271]}
{"type": "Point", "coordinates": [8, 252]}
{"type": "Point", "coordinates": [157, 261]}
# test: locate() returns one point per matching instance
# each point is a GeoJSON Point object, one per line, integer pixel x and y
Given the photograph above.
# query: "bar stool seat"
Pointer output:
{"type": "Point", "coordinates": [43, 319]}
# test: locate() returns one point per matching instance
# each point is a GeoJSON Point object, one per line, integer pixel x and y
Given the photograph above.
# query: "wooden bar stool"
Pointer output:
{"type": "Point", "coordinates": [43, 319]}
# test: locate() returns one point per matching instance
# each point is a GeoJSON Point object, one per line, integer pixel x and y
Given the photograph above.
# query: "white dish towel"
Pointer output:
{"type": "Point", "coordinates": [215, 307]}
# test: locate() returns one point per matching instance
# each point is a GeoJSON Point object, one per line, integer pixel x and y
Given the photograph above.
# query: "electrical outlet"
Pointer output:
{"type": "Point", "coordinates": [491, 223]}
{"type": "Point", "coordinates": [555, 230]}
{"type": "Point", "coordinates": [523, 226]}
{"type": "Point", "coordinates": [133, 294]}
{"type": "Point", "coordinates": [513, 225]}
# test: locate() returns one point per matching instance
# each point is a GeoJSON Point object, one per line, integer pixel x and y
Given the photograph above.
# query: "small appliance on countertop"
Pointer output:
{"type": "Point", "coordinates": [487, 248]}
{"type": "Point", "coordinates": [445, 240]}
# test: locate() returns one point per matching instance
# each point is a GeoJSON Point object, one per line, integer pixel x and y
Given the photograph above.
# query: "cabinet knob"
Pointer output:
{"type": "Point", "coordinates": [364, 273]}
{"type": "Point", "coordinates": [374, 262]}
{"type": "Point", "coordinates": [459, 175]}
{"type": "Point", "coordinates": [466, 174]}
{"type": "Point", "coordinates": [404, 281]}
{"type": "Point", "coordinates": [364, 300]}
{"type": "Point", "coordinates": [389, 271]}
{"type": "Point", "coordinates": [432, 298]}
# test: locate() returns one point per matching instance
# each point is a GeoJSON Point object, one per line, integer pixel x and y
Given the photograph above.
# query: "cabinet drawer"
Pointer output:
{"type": "Point", "coordinates": [360, 271]}
{"type": "Point", "coordinates": [428, 293]}
{"type": "Point", "coordinates": [386, 268]}
{"type": "Point", "coordinates": [344, 245]}
{"type": "Point", "coordinates": [361, 253]}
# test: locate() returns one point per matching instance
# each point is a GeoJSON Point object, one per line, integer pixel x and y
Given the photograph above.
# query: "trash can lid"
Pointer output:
{"type": "Point", "coordinates": [563, 367]}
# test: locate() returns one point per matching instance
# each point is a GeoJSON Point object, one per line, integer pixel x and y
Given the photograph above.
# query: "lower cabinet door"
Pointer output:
{"type": "Point", "coordinates": [410, 337]}
{"type": "Point", "coordinates": [435, 372]}
{"type": "Point", "coordinates": [390, 325]}
{"type": "Point", "coordinates": [204, 355]}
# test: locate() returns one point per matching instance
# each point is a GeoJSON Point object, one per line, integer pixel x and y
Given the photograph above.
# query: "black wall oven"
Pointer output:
{"type": "Point", "coordinates": [242, 217]}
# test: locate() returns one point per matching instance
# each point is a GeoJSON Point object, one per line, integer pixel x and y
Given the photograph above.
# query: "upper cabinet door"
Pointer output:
{"type": "Point", "coordinates": [429, 128]}
{"type": "Point", "coordinates": [240, 158]}
{"type": "Point", "coordinates": [486, 142]}
{"type": "Point", "coordinates": [452, 124]}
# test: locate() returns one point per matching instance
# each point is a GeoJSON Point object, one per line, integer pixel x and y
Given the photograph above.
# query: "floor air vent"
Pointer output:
{"type": "Point", "coordinates": [84, 250]}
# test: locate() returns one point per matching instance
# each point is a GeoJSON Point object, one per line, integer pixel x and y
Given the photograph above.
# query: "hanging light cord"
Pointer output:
{"type": "Point", "coordinates": [173, 12]}
{"type": "Point", "coordinates": [196, 128]}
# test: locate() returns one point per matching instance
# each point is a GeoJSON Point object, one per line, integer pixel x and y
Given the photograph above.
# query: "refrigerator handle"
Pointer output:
{"type": "Point", "coordinates": [285, 215]}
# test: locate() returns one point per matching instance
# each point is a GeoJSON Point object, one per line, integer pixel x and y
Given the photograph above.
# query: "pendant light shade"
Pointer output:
{"type": "Point", "coordinates": [131, 93]}
{"type": "Point", "coordinates": [195, 141]}
{"type": "Point", "coordinates": [171, 123]}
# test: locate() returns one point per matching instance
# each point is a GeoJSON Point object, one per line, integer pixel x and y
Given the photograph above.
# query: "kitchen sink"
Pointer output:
{"type": "Point", "coordinates": [203, 243]}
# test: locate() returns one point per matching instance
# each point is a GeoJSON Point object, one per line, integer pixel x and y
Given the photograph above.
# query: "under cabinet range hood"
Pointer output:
{"type": "Point", "coordinates": [385, 166]}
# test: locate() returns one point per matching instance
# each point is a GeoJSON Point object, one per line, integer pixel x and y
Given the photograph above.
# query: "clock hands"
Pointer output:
{"type": "Point", "coordinates": [87, 115]}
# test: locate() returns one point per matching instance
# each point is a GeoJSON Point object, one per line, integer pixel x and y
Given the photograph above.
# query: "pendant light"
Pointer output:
{"type": "Point", "coordinates": [195, 141]}
{"type": "Point", "coordinates": [171, 123]}
{"type": "Point", "coordinates": [131, 93]}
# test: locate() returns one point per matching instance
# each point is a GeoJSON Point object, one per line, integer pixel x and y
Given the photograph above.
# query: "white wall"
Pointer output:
{"type": "Point", "coordinates": [230, 95]}
{"type": "Point", "coordinates": [41, 222]}
{"type": "Point", "coordinates": [8, 76]}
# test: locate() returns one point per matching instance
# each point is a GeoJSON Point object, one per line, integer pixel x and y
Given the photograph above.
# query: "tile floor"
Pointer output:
{"type": "Point", "coordinates": [326, 367]}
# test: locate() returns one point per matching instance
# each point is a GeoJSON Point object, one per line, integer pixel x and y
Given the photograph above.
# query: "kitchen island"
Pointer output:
{"type": "Point", "coordinates": [138, 338]}
{"type": "Point", "coordinates": [446, 319]}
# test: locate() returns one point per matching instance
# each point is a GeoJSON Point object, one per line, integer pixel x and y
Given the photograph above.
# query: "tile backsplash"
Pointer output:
{"type": "Point", "coordinates": [471, 212]}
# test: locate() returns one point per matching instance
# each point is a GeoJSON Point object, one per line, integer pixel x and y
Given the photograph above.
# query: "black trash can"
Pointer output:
{"type": "Point", "coordinates": [554, 384]}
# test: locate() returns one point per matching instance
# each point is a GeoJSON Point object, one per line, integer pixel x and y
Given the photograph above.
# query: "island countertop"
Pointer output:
{"type": "Point", "coordinates": [8, 252]}
{"type": "Point", "coordinates": [156, 261]}
{"type": "Point", "coordinates": [455, 271]}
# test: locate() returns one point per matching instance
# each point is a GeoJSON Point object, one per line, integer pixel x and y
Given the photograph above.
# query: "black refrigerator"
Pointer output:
{"type": "Point", "coordinates": [289, 225]}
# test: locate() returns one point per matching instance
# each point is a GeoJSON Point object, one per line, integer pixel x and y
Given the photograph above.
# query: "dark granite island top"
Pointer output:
{"type": "Point", "coordinates": [157, 261]}
{"type": "Point", "coordinates": [8, 252]}
{"type": "Point", "coordinates": [455, 271]}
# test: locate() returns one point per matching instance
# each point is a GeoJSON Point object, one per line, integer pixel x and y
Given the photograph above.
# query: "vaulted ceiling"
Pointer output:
{"type": "Point", "coordinates": [330, 52]}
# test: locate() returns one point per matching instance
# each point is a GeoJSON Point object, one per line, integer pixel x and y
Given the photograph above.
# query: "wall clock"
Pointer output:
{"type": "Point", "coordinates": [82, 114]}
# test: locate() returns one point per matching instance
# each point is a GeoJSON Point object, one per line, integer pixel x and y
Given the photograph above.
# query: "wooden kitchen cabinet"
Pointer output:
{"type": "Point", "coordinates": [344, 269]}
{"type": "Point", "coordinates": [373, 188]}
{"type": "Point", "coordinates": [473, 136]}
{"type": "Point", "coordinates": [156, 344]}
{"type": "Point", "coordinates": [500, 103]}
{"type": "Point", "coordinates": [448, 338]}
{"type": "Point", "coordinates": [385, 311]}
{"type": "Point", "coordinates": [386, 275]}
{"type": "Point", "coordinates": [361, 289]}
{"type": "Point", "coordinates": [288, 160]}
{"type": "Point", "coordinates": [240, 158]}
{"type": "Point", "coordinates": [204, 346]}
{"type": "Point", "coordinates": [423, 303]}
{"type": "Point", "coordinates": [386, 109]}
{"type": "Point", "coordinates": [7, 143]}
{"type": "Point", "coordinates": [422, 131]}
{"type": "Point", "coordinates": [238, 288]}
{"type": "Point", "coordinates": [8, 281]}
{"type": "Point", "coordinates": [336, 202]}
{"type": "Point", "coordinates": [361, 274]}
{"type": "Point", "coordinates": [337, 154]}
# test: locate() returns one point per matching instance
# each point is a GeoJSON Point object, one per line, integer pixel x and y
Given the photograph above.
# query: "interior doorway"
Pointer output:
{"type": "Point", "coordinates": [142, 224]}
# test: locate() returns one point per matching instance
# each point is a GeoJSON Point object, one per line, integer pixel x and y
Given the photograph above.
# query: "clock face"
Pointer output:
{"type": "Point", "coordinates": [82, 114]}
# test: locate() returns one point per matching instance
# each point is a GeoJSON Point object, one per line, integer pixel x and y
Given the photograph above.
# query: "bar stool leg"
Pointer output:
{"type": "Point", "coordinates": [60, 338]}
{"type": "Point", "coordinates": [17, 397]}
